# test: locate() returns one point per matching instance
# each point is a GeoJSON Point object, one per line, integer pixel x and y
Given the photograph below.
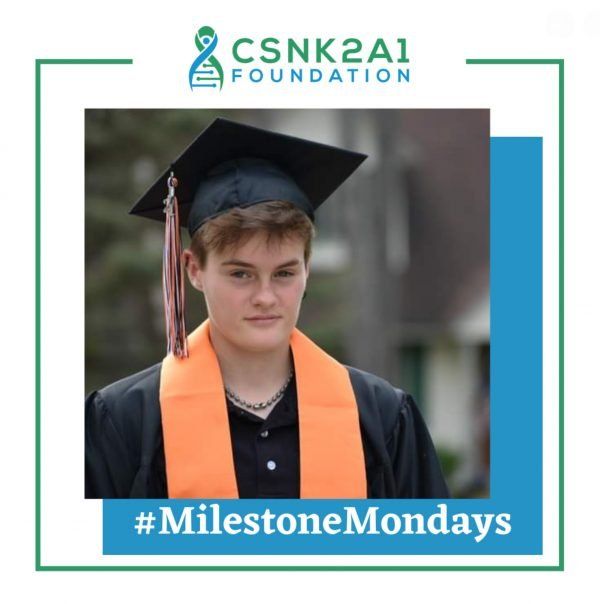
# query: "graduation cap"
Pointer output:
{"type": "Point", "coordinates": [235, 165]}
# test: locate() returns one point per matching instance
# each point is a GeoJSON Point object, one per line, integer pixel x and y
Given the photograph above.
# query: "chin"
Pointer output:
{"type": "Point", "coordinates": [263, 341]}
{"type": "Point", "coordinates": [262, 344]}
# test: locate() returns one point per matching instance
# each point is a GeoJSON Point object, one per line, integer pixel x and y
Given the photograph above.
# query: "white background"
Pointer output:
{"type": "Point", "coordinates": [440, 38]}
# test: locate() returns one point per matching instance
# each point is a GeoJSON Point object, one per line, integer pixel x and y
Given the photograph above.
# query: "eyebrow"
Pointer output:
{"type": "Point", "coordinates": [236, 262]}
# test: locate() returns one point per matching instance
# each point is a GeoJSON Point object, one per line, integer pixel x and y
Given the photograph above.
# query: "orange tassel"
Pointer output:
{"type": "Point", "coordinates": [173, 287]}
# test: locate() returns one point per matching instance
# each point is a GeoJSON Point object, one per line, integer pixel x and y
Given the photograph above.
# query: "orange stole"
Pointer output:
{"type": "Point", "coordinates": [197, 440]}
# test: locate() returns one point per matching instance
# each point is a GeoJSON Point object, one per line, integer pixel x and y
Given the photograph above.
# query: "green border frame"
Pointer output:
{"type": "Point", "coordinates": [39, 567]}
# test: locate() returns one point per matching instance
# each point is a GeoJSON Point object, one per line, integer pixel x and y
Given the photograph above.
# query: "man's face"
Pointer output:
{"type": "Point", "coordinates": [253, 293]}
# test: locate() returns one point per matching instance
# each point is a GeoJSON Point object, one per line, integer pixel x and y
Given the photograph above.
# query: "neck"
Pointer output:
{"type": "Point", "coordinates": [254, 376]}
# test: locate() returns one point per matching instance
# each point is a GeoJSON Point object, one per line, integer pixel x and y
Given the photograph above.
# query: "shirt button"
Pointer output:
{"type": "Point", "coordinates": [264, 434]}
{"type": "Point", "coordinates": [271, 464]}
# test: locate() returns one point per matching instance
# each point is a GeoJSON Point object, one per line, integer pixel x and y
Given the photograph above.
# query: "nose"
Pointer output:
{"type": "Point", "coordinates": [264, 295]}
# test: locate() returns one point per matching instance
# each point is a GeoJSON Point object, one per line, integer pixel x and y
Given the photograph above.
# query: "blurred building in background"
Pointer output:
{"type": "Point", "coordinates": [399, 281]}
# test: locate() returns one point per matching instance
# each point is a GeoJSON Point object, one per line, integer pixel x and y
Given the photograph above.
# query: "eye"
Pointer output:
{"type": "Point", "coordinates": [284, 273]}
{"type": "Point", "coordinates": [240, 274]}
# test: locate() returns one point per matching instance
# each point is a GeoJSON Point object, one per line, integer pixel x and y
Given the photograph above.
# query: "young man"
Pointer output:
{"type": "Point", "coordinates": [247, 406]}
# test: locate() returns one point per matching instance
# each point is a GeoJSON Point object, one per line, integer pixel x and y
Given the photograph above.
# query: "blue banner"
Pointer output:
{"type": "Point", "coordinates": [510, 522]}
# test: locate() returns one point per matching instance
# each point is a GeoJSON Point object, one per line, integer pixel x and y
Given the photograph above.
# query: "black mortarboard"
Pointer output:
{"type": "Point", "coordinates": [234, 165]}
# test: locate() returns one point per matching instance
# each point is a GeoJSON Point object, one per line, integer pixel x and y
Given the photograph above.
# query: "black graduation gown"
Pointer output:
{"type": "Point", "coordinates": [124, 452]}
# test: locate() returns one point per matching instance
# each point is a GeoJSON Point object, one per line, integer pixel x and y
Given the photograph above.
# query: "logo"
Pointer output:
{"type": "Point", "coordinates": [206, 70]}
{"type": "Point", "coordinates": [374, 61]}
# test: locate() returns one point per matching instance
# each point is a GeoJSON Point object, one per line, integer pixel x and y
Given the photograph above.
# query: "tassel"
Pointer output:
{"type": "Point", "coordinates": [173, 287]}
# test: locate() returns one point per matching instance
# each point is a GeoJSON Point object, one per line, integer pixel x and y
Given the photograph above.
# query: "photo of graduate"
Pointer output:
{"type": "Point", "coordinates": [245, 404]}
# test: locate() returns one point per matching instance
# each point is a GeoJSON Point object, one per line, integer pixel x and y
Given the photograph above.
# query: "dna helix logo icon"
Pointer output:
{"type": "Point", "coordinates": [206, 70]}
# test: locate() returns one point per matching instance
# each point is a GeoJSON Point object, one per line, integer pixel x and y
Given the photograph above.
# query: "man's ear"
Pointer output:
{"type": "Point", "coordinates": [192, 267]}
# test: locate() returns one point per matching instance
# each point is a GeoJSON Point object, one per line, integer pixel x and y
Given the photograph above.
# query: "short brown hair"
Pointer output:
{"type": "Point", "coordinates": [278, 220]}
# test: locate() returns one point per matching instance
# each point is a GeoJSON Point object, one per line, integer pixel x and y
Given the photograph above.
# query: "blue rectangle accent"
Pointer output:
{"type": "Point", "coordinates": [516, 420]}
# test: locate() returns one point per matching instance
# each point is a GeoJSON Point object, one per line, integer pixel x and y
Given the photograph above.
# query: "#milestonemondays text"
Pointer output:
{"type": "Point", "coordinates": [207, 520]}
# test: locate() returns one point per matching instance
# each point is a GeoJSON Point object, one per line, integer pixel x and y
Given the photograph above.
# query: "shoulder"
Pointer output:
{"type": "Point", "coordinates": [123, 438]}
{"type": "Point", "coordinates": [378, 401]}
{"type": "Point", "coordinates": [129, 398]}
{"type": "Point", "coordinates": [133, 385]}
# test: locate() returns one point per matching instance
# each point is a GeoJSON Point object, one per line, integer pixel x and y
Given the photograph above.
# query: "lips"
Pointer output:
{"type": "Point", "coordinates": [263, 318]}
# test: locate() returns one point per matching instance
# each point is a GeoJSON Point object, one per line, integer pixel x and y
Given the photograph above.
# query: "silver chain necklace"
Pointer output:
{"type": "Point", "coordinates": [234, 398]}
